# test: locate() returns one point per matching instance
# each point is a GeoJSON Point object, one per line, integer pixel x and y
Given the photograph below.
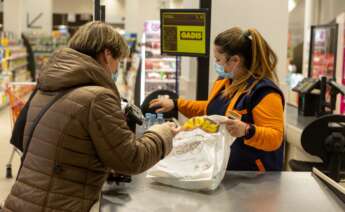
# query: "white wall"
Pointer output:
{"type": "Point", "coordinates": [139, 11]}
{"type": "Point", "coordinates": [13, 23]}
{"type": "Point", "coordinates": [270, 17]}
{"type": "Point", "coordinates": [18, 23]}
{"type": "Point", "coordinates": [115, 10]}
{"type": "Point", "coordinates": [73, 6]}
{"type": "Point", "coordinates": [330, 9]}
{"type": "Point", "coordinates": [34, 8]}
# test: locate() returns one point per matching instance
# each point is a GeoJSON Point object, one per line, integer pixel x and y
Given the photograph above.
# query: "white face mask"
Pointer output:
{"type": "Point", "coordinates": [222, 73]}
{"type": "Point", "coordinates": [114, 76]}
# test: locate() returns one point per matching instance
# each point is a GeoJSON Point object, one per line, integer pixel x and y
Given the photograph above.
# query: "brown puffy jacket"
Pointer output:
{"type": "Point", "coordinates": [79, 138]}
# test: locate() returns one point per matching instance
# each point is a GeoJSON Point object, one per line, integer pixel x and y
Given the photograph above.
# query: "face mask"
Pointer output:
{"type": "Point", "coordinates": [220, 71]}
{"type": "Point", "coordinates": [114, 76]}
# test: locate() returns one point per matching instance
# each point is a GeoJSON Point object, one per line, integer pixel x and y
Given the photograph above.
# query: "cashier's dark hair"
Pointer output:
{"type": "Point", "coordinates": [94, 37]}
{"type": "Point", "coordinates": [256, 55]}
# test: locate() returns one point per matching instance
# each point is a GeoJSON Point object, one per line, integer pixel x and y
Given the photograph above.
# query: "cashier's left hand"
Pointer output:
{"type": "Point", "coordinates": [236, 128]}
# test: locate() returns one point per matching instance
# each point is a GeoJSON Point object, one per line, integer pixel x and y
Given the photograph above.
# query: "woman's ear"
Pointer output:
{"type": "Point", "coordinates": [107, 55]}
{"type": "Point", "coordinates": [236, 59]}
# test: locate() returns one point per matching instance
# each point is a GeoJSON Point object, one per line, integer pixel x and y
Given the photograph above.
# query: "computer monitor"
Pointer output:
{"type": "Point", "coordinates": [323, 54]}
{"type": "Point", "coordinates": [185, 32]}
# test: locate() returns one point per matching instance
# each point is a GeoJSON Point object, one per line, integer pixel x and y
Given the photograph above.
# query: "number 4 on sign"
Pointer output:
{"type": "Point", "coordinates": [30, 24]}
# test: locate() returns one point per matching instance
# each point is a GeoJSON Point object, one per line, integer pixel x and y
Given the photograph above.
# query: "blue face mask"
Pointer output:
{"type": "Point", "coordinates": [114, 76]}
{"type": "Point", "coordinates": [220, 71]}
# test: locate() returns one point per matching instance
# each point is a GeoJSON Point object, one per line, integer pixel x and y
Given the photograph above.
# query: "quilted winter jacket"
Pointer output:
{"type": "Point", "coordinates": [77, 141]}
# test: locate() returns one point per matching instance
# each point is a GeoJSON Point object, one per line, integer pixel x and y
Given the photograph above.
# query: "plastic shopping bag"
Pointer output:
{"type": "Point", "coordinates": [199, 157]}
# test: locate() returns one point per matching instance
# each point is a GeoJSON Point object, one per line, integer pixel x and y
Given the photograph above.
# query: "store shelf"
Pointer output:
{"type": "Point", "coordinates": [3, 106]}
{"type": "Point", "coordinates": [161, 70]}
{"type": "Point", "coordinates": [44, 54]}
{"type": "Point", "coordinates": [161, 59]}
{"type": "Point", "coordinates": [160, 81]}
{"type": "Point", "coordinates": [158, 40]}
{"type": "Point", "coordinates": [21, 56]}
{"type": "Point", "coordinates": [5, 74]}
{"type": "Point", "coordinates": [15, 48]}
{"type": "Point", "coordinates": [18, 67]}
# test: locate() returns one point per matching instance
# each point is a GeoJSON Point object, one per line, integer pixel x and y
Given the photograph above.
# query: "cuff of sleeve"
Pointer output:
{"type": "Point", "coordinates": [250, 132]}
{"type": "Point", "coordinates": [175, 103]}
{"type": "Point", "coordinates": [166, 136]}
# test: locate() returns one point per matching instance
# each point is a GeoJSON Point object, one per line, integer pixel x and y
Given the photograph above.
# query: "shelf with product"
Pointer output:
{"type": "Point", "coordinates": [43, 46]}
{"type": "Point", "coordinates": [13, 66]}
{"type": "Point", "coordinates": [158, 72]}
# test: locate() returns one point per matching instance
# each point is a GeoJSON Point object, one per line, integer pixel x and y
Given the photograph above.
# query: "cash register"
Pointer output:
{"type": "Point", "coordinates": [325, 136]}
{"type": "Point", "coordinates": [308, 96]}
{"type": "Point", "coordinates": [312, 100]}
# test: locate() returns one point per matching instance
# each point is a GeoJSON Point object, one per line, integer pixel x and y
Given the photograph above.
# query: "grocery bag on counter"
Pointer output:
{"type": "Point", "coordinates": [199, 157]}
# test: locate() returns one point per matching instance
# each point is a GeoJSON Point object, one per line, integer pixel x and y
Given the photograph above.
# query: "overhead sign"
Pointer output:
{"type": "Point", "coordinates": [185, 32]}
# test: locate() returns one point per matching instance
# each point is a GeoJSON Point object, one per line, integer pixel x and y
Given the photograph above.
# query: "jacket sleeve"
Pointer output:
{"type": "Point", "coordinates": [191, 108]}
{"type": "Point", "coordinates": [117, 146]}
{"type": "Point", "coordinates": [268, 118]}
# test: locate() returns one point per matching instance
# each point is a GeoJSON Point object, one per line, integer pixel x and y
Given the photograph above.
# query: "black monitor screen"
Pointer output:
{"type": "Point", "coordinates": [185, 32]}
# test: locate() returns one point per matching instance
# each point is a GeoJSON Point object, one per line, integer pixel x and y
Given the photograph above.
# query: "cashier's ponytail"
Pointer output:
{"type": "Point", "coordinates": [257, 56]}
{"type": "Point", "coordinates": [264, 60]}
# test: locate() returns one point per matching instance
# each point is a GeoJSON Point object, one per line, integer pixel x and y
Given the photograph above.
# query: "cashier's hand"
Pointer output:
{"type": "Point", "coordinates": [236, 128]}
{"type": "Point", "coordinates": [164, 105]}
{"type": "Point", "coordinates": [174, 129]}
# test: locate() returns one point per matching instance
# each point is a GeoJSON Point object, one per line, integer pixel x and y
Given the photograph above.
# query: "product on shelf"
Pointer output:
{"type": "Point", "coordinates": [157, 71]}
{"type": "Point", "coordinates": [44, 45]}
{"type": "Point", "coordinates": [13, 66]}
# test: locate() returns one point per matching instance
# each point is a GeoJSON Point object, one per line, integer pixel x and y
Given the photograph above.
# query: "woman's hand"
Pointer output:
{"type": "Point", "coordinates": [174, 129]}
{"type": "Point", "coordinates": [164, 105]}
{"type": "Point", "coordinates": [236, 128]}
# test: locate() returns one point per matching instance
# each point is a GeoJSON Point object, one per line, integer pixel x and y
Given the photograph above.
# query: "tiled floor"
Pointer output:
{"type": "Point", "coordinates": [5, 151]}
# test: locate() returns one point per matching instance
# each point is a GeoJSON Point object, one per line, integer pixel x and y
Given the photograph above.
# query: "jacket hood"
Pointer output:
{"type": "Point", "coordinates": [68, 68]}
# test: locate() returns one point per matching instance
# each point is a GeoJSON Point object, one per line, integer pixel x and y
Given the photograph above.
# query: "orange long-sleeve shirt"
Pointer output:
{"type": "Point", "coordinates": [268, 116]}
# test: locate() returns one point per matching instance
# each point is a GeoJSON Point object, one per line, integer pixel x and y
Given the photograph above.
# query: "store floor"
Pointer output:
{"type": "Point", "coordinates": [5, 151]}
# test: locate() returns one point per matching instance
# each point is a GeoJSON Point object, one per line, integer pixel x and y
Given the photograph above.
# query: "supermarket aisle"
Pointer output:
{"type": "Point", "coordinates": [5, 151]}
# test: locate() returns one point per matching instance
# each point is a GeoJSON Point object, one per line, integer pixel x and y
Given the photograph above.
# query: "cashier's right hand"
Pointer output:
{"type": "Point", "coordinates": [162, 105]}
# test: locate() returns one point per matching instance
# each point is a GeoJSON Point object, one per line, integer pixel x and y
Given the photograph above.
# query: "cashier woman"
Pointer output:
{"type": "Point", "coordinates": [246, 87]}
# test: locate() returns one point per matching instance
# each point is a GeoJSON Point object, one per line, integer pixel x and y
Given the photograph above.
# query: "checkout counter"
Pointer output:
{"type": "Point", "coordinates": [239, 191]}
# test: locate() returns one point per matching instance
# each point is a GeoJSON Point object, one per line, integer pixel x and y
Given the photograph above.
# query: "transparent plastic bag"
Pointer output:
{"type": "Point", "coordinates": [199, 157]}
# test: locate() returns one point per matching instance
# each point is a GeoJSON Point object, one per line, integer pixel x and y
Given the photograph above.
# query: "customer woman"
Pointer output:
{"type": "Point", "coordinates": [84, 134]}
{"type": "Point", "coordinates": [247, 87]}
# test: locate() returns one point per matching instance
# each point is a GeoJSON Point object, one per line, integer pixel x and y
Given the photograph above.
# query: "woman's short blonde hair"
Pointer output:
{"type": "Point", "coordinates": [96, 36]}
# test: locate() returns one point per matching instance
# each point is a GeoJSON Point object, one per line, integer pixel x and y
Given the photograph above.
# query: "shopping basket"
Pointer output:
{"type": "Point", "coordinates": [16, 93]}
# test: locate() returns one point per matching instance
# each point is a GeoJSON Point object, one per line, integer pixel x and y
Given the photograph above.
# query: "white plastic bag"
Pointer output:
{"type": "Point", "coordinates": [198, 160]}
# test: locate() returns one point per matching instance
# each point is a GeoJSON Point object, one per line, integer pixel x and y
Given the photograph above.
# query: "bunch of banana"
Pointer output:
{"type": "Point", "coordinates": [203, 123]}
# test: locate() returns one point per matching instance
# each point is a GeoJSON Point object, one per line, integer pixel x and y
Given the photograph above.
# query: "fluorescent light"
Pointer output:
{"type": "Point", "coordinates": [291, 5]}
